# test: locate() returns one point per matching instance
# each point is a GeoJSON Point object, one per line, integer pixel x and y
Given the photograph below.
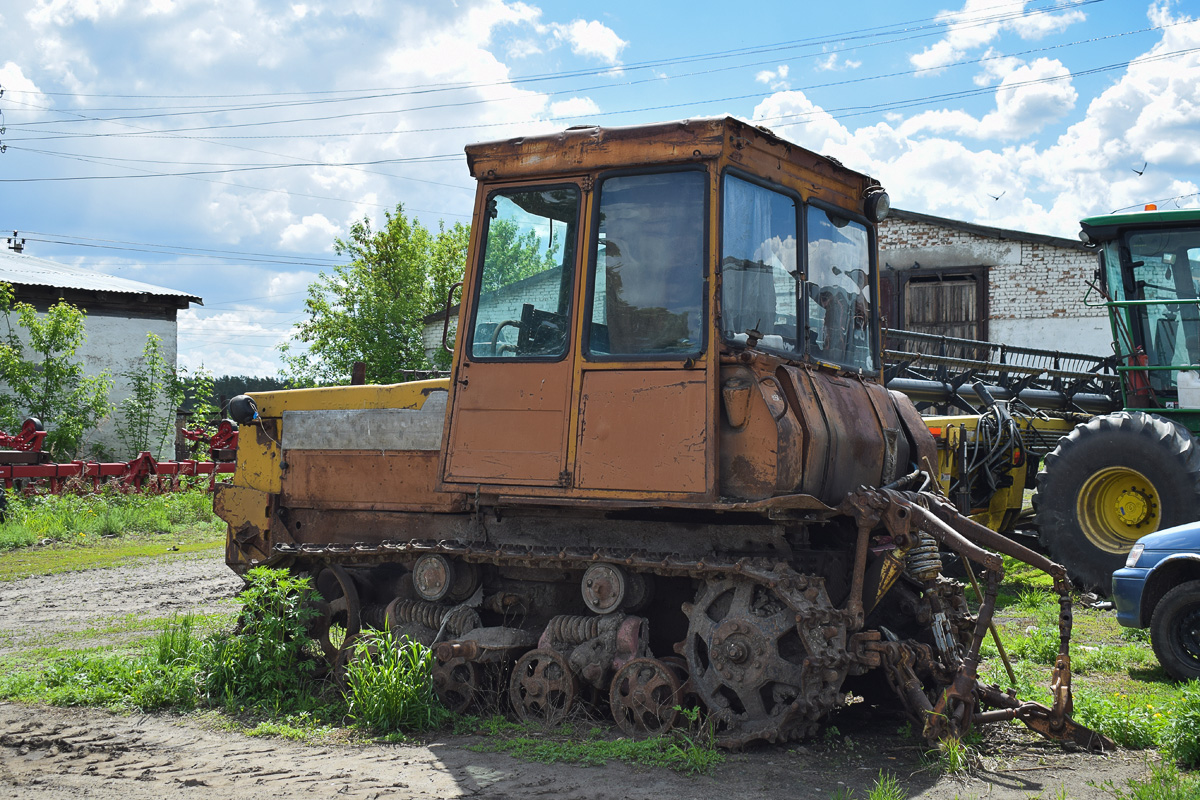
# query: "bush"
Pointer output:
{"type": "Point", "coordinates": [267, 661]}
{"type": "Point", "coordinates": [389, 684]}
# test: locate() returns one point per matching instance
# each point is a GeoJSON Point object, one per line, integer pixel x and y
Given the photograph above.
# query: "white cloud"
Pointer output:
{"type": "Point", "coordinates": [23, 99]}
{"type": "Point", "coordinates": [312, 233]}
{"type": "Point", "coordinates": [775, 78]}
{"type": "Point", "coordinates": [284, 285]}
{"type": "Point", "coordinates": [1028, 99]}
{"type": "Point", "coordinates": [593, 39]}
{"type": "Point", "coordinates": [575, 107]}
{"type": "Point", "coordinates": [980, 22]}
{"type": "Point", "coordinates": [835, 63]}
{"type": "Point", "coordinates": [996, 67]}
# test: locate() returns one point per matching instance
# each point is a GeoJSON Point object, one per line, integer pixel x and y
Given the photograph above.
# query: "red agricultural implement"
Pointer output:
{"type": "Point", "coordinates": [25, 465]}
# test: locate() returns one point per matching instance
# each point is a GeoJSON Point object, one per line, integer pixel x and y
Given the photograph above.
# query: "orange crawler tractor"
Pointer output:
{"type": "Point", "coordinates": [664, 470]}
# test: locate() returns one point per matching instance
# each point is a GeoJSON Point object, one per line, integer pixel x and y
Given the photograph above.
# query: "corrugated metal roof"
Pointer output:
{"type": "Point", "coordinates": [20, 269]}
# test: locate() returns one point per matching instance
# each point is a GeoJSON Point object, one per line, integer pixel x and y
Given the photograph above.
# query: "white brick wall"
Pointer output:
{"type": "Point", "coordinates": [1035, 289]}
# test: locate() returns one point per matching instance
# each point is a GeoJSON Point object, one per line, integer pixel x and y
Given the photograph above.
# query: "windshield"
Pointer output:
{"type": "Point", "coordinates": [765, 294]}
{"type": "Point", "coordinates": [1159, 266]}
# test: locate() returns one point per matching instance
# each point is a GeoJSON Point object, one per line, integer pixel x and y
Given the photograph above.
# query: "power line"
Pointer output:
{"type": "Point", "coordinates": [483, 101]}
{"type": "Point", "coordinates": [836, 113]}
{"type": "Point", "coordinates": [941, 21]}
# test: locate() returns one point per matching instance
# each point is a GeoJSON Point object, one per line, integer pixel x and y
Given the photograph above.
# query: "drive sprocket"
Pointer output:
{"type": "Point", "coordinates": [766, 657]}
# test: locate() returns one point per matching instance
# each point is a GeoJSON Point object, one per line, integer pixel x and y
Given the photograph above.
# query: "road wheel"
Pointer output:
{"type": "Point", "coordinates": [1175, 631]}
{"type": "Point", "coordinates": [1110, 482]}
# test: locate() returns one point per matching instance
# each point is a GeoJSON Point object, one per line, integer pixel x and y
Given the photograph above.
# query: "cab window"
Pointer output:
{"type": "Point", "coordinates": [524, 290]}
{"type": "Point", "coordinates": [648, 277]}
{"type": "Point", "coordinates": [760, 279]}
{"type": "Point", "coordinates": [838, 289]}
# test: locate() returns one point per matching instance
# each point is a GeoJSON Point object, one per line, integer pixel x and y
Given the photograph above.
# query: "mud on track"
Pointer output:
{"type": "Point", "coordinates": [59, 753]}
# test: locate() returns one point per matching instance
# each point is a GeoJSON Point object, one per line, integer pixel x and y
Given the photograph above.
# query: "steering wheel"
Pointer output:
{"type": "Point", "coordinates": [501, 349]}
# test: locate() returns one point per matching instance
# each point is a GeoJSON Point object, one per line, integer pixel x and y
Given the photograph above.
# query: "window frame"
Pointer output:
{"type": "Point", "coordinates": [801, 258]}
{"type": "Point", "coordinates": [872, 281]}
{"type": "Point", "coordinates": [480, 256]}
{"type": "Point", "coordinates": [589, 300]}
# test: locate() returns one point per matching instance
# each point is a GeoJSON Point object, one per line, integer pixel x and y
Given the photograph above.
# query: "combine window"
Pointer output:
{"type": "Point", "coordinates": [648, 281]}
{"type": "Point", "coordinates": [524, 290]}
{"type": "Point", "coordinates": [1160, 271]}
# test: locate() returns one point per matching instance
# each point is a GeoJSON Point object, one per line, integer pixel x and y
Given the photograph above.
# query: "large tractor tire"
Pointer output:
{"type": "Point", "coordinates": [1110, 482]}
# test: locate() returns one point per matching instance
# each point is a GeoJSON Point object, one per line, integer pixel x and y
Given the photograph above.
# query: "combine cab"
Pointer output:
{"type": "Point", "coordinates": [664, 467]}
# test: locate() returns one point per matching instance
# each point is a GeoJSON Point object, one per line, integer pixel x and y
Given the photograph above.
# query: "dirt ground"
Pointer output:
{"type": "Point", "coordinates": [53, 753]}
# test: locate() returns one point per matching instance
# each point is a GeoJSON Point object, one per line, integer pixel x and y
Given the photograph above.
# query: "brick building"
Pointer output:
{"type": "Point", "coordinates": [1025, 289]}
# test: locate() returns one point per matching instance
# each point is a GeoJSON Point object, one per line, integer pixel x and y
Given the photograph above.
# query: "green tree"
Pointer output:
{"type": "Point", "coordinates": [512, 256]}
{"type": "Point", "coordinates": [157, 388]}
{"type": "Point", "coordinates": [372, 309]}
{"type": "Point", "coordinates": [39, 376]}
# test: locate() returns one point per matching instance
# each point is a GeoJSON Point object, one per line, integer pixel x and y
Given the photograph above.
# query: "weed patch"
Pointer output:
{"type": "Point", "coordinates": [389, 684]}
{"type": "Point", "coordinates": [76, 519]}
{"type": "Point", "coordinates": [268, 661]}
{"type": "Point", "coordinates": [1165, 782]}
{"type": "Point", "coordinates": [164, 675]}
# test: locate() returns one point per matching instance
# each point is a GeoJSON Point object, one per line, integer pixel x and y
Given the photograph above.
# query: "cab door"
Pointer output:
{"type": "Point", "coordinates": [644, 398]}
{"type": "Point", "coordinates": [511, 407]}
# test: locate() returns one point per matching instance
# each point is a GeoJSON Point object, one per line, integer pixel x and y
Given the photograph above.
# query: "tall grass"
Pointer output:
{"type": "Point", "coordinates": [75, 518]}
{"type": "Point", "coordinates": [389, 684]}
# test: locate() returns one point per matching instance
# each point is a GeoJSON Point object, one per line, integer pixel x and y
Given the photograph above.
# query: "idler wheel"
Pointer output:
{"type": "Point", "coordinates": [436, 578]}
{"type": "Point", "coordinates": [542, 688]}
{"type": "Point", "coordinates": [339, 613]}
{"type": "Point", "coordinates": [457, 683]}
{"type": "Point", "coordinates": [643, 697]}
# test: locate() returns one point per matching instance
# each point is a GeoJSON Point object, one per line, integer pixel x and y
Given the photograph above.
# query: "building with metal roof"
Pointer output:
{"type": "Point", "coordinates": [120, 314]}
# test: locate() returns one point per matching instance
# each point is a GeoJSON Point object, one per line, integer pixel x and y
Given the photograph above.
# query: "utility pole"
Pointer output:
{"type": "Point", "coordinates": [15, 244]}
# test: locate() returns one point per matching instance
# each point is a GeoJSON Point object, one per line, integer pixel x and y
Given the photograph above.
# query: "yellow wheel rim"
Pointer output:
{"type": "Point", "coordinates": [1116, 507]}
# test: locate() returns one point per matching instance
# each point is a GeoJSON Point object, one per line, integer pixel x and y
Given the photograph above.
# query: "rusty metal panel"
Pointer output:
{"type": "Point", "coordinates": [847, 446]}
{"type": "Point", "coordinates": [509, 423]}
{"type": "Point", "coordinates": [591, 148]}
{"type": "Point", "coordinates": [366, 480]}
{"type": "Point", "coordinates": [367, 429]}
{"type": "Point", "coordinates": [749, 438]}
{"type": "Point", "coordinates": [643, 430]}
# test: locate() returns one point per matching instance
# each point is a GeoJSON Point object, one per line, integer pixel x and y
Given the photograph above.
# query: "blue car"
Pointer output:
{"type": "Point", "coordinates": [1159, 589]}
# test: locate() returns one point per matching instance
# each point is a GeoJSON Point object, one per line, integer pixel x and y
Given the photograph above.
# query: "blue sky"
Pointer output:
{"type": "Point", "coordinates": [220, 147]}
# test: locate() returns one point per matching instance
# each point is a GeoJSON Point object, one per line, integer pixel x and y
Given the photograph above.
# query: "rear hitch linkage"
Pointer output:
{"type": "Point", "coordinates": [960, 700]}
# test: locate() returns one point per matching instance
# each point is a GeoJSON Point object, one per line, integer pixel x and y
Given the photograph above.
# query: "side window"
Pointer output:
{"type": "Point", "coordinates": [839, 290]}
{"type": "Point", "coordinates": [648, 287]}
{"type": "Point", "coordinates": [759, 276]}
{"type": "Point", "coordinates": [524, 291]}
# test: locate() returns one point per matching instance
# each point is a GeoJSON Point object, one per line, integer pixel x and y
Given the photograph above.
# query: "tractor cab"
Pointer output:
{"type": "Point", "coordinates": [1150, 271]}
{"type": "Point", "coordinates": [634, 299]}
